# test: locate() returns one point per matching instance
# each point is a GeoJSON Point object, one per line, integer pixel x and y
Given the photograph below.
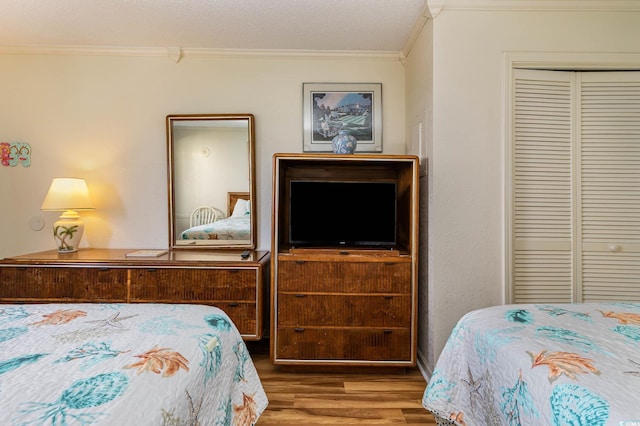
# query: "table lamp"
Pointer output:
{"type": "Point", "coordinates": [67, 195]}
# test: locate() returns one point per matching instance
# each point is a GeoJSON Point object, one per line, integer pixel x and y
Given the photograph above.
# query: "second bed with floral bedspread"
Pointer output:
{"type": "Point", "coordinates": [561, 364]}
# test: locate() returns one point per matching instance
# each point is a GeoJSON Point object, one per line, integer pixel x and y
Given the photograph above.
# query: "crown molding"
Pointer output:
{"type": "Point", "coordinates": [84, 50]}
{"type": "Point", "coordinates": [176, 54]}
{"type": "Point", "coordinates": [590, 61]}
{"type": "Point", "coordinates": [294, 54]}
{"type": "Point", "coordinates": [550, 5]}
{"type": "Point", "coordinates": [430, 10]}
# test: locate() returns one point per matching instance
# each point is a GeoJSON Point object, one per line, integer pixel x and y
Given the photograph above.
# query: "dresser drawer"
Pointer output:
{"type": "Point", "coordinates": [243, 315]}
{"type": "Point", "coordinates": [320, 344]}
{"type": "Point", "coordinates": [178, 285]}
{"type": "Point", "coordinates": [296, 310]}
{"type": "Point", "coordinates": [354, 277]}
{"type": "Point", "coordinates": [62, 283]}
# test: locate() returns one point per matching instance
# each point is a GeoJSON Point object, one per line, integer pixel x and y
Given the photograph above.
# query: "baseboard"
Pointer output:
{"type": "Point", "coordinates": [423, 366]}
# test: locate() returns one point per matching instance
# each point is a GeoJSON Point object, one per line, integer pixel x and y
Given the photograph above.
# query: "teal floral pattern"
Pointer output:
{"type": "Point", "coordinates": [122, 364]}
{"type": "Point", "coordinates": [557, 365]}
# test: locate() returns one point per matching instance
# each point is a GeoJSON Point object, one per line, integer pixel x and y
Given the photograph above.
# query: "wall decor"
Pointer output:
{"type": "Point", "coordinates": [13, 153]}
{"type": "Point", "coordinates": [329, 108]}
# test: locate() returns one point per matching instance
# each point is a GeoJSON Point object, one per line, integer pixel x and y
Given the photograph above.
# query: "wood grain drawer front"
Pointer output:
{"type": "Point", "coordinates": [243, 315]}
{"type": "Point", "coordinates": [65, 284]}
{"type": "Point", "coordinates": [354, 277]}
{"type": "Point", "coordinates": [344, 310]}
{"type": "Point", "coordinates": [180, 285]}
{"type": "Point", "coordinates": [343, 344]}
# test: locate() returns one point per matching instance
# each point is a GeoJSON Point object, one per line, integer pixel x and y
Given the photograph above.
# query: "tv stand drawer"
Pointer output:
{"type": "Point", "coordinates": [355, 310]}
{"type": "Point", "coordinates": [342, 344]}
{"type": "Point", "coordinates": [349, 276]}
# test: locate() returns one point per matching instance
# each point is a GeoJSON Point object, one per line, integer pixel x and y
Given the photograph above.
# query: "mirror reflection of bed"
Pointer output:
{"type": "Point", "coordinates": [211, 156]}
{"type": "Point", "coordinates": [209, 223]}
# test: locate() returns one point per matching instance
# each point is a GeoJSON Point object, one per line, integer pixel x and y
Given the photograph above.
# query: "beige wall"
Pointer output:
{"type": "Point", "coordinates": [467, 156]}
{"type": "Point", "coordinates": [419, 80]}
{"type": "Point", "coordinates": [101, 117]}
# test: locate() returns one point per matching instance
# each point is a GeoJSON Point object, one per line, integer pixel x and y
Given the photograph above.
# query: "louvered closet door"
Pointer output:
{"type": "Point", "coordinates": [576, 187]}
{"type": "Point", "coordinates": [542, 235]}
{"type": "Point", "coordinates": [610, 185]}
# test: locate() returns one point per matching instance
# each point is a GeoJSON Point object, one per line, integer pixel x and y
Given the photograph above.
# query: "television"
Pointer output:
{"type": "Point", "coordinates": [336, 213]}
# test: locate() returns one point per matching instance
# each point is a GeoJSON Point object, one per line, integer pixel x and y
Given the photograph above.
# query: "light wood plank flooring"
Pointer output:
{"type": "Point", "coordinates": [297, 398]}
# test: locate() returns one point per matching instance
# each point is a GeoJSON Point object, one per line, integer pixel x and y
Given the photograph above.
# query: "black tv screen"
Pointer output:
{"type": "Point", "coordinates": [342, 214]}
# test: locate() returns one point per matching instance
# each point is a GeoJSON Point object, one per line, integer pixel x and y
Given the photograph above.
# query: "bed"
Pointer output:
{"type": "Point", "coordinates": [540, 364]}
{"type": "Point", "coordinates": [125, 364]}
{"type": "Point", "coordinates": [236, 226]}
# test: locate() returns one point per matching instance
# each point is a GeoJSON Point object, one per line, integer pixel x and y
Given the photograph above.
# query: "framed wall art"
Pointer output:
{"type": "Point", "coordinates": [331, 107]}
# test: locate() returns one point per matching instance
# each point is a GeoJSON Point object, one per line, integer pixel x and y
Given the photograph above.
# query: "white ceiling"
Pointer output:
{"type": "Point", "coordinates": [351, 25]}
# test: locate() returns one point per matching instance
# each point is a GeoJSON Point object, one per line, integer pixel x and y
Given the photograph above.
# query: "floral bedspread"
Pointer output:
{"type": "Point", "coordinates": [231, 228]}
{"type": "Point", "coordinates": [125, 364]}
{"type": "Point", "coordinates": [561, 364]}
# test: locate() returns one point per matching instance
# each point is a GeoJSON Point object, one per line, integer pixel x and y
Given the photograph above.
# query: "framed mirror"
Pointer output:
{"type": "Point", "coordinates": [211, 181]}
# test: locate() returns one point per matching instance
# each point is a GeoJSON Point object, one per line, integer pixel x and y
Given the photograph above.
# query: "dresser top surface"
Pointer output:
{"type": "Point", "coordinates": [119, 257]}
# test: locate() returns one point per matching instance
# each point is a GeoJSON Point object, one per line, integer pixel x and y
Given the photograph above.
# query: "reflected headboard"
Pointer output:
{"type": "Point", "coordinates": [232, 198]}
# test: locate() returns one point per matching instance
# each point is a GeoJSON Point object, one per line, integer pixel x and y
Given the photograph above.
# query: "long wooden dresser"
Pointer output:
{"type": "Point", "coordinates": [223, 279]}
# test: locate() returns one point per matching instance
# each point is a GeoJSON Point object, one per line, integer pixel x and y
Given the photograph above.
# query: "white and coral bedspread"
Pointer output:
{"type": "Point", "coordinates": [124, 364]}
{"type": "Point", "coordinates": [562, 364]}
{"type": "Point", "coordinates": [231, 228]}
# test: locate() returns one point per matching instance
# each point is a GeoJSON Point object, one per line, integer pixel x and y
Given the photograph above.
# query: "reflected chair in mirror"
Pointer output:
{"type": "Point", "coordinates": [204, 215]}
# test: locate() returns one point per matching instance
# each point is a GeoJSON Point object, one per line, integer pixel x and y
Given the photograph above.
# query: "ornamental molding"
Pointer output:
{"type": "Point", "coordinates": [537, 5]}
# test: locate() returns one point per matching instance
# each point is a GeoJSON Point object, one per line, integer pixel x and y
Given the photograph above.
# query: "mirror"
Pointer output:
{"type": "Point", "coordinates": [211, 181]}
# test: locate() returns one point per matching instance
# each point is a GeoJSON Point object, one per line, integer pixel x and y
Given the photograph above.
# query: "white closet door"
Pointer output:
{"type": "Point", "coordinates": [542, 216]}
{"type": "Point", "coordinates": [610, 185]}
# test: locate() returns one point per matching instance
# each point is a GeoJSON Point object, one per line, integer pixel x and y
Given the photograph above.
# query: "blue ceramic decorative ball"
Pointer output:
{"type": "Point", "coordinates": [344, 143]}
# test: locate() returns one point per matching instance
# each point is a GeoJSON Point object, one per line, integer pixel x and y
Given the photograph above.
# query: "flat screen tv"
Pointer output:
{"type": "Point", "coordinates": [342, 213]}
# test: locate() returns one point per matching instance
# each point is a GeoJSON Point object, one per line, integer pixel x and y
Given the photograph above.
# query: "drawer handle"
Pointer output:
{"type": "Point", "coordinates": [388, 297]}
{"type": "Point", "coordinates": [300, 262]}
{"type": "Point", "coordinates": [151, 269]}
{"type": "Point", "coordinates": [388, 331]}
{"type": "Point", "coordinates": [299, 330]}
{"type": "Point", "coordinates": [389, 263]}
{"type": "Point", "coordinates": [104, 268]}
{"type": "Point", "coordinates": [301, 295]}
{"type": "Point", "coordinates": [234, 304]}
{"type": "Point", "coordinates": [344, 253]}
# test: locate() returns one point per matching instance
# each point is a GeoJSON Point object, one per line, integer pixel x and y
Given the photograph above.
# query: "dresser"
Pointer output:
{"type": "Point", "coordinates": [344, 306]}
{"type": "Point", "coordinates": [219, 278]}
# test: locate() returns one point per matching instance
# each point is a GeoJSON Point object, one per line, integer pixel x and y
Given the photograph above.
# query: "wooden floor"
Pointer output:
{"type": "Point", "coordinates": [339, 399]}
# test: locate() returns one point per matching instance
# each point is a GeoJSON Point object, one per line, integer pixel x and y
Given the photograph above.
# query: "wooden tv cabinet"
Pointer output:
{"type": "Point", "coordinates": [345, 307]}
{"type": "Point", "coordinates": [217, 278]}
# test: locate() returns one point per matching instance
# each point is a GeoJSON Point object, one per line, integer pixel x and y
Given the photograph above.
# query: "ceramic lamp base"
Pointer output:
{"type": "Point", "coordinates": [67, 232]}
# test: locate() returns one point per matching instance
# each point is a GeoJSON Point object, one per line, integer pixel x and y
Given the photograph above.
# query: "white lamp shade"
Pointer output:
{"type": "Point", "coordinates": [67, 194]}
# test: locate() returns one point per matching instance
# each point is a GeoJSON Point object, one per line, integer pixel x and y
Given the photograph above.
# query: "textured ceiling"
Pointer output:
{"type": "Point", "coordinates": [367, 25]}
